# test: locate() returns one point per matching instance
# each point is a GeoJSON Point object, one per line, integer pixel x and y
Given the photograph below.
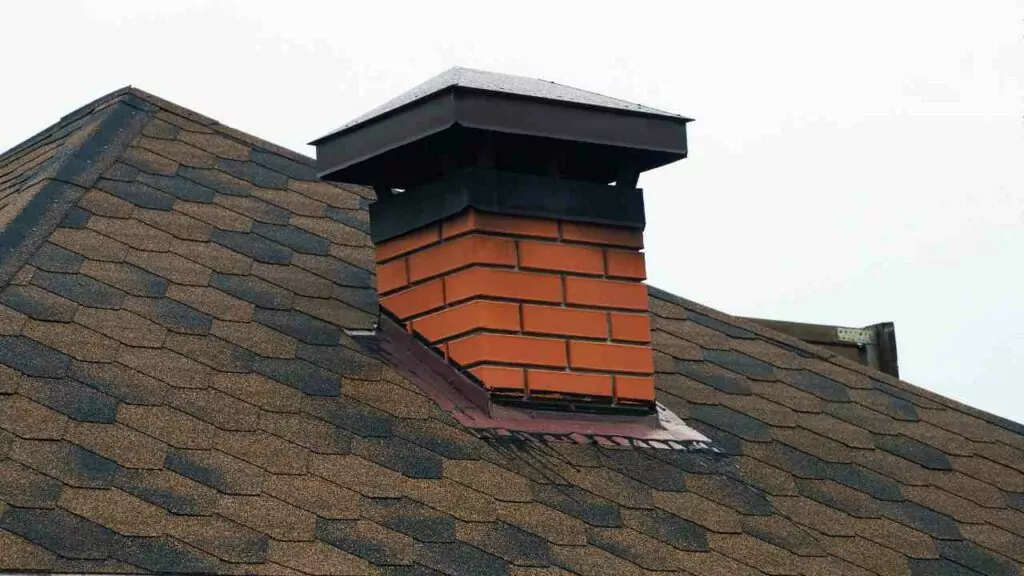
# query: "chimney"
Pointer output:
{"type": "Point", "coordinates": [509, 231]}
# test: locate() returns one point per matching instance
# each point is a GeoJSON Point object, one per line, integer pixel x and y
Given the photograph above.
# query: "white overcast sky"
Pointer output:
{"type": "Point", "coordinates": [852, 162]}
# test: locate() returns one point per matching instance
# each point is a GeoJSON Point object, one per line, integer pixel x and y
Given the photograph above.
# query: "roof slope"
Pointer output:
{"type": "Point", "coordinates": [177, 395]}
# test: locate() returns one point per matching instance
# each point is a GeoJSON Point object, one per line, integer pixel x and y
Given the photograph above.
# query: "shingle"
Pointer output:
{"type": "Point", "coordinates": [294, 279]}
{"type": "Point", "coordinates": [448, 441]}
{"type": "Point", "coordinates": [99, 202]}
{"type": "Point", "coordinates": [119, 443]}
{"type": "Point", "coordinates": [733, 422]}
{"type": "Point", "coordinates": [634, 547]}
{"type": "Point", "coordinates": [267, 451]}
{"type": "Point", "coordinates": [397, 454]}
{"type": "Point", "coordinates": [718, 325]}
{"type": "Point", "coordinates": [72, 398]}
{"type": "Point", "coordinates": [116, 510]}
{"type": "Point", "coordinates": [367, 540]}
{"type": "Point", "coordinates": [132, 233]}
{"type": "Point", "coordinates": [120, 382]}
{"type": "Point", "coordinates": [915, 451]}
{"type": "Point", "coordinates": [131, 279]}
{"type": "Point", "coordinates": [279, 520]}
{"type": "Point", "coordinates": [254, 290]}
{"type": "Point", "coordinates": [300, 326]}
{"type": "Point", "coordinates": [255, 173]}
{"type": "Point", "coordinates": [300, 375]}
{"type": "Point", "coordinates": [171, 315]}
{"type": "Point", "coordinates": [358, 474]}
{"type": "Point", "coordinates": [394, 399]}
{"type": "Point", "coordinates": [260, 391]}
{"type": "Point", "coordinates": [816, 384]}
{"type": "Point", "coordinates": [282, 165]}
{"type": "Point", "coordinates": [458, 559]}
{"type": "Point", "coordinates": [719, 379]}
{"type": "Point", "coordinates": [866, 481]}
{"type": "Point", "coordinates": [212, 301]}
{"type": "Point", "coordinates": [53, 258]}
{"type": "Point", "coordinates": [977, 558]}
{"type": "Point", "coordinates": [643, 468]}
{"type": "Point", "coordinates": [941, 567]}
{"type": "Point", "coordinates": [295, 203]}
{"type": "Point", "coordinates": [68, 462]}
{"type": "Point", "coordinates": [675, 347]}
{"type": "Point", "coordinates": [783, 533]}
{"type": "Point", "coordinates": [358, 219]}
{"type": "Point", "coordinates": [669, 528]}
{"type": "Point", "coordinates": [325, 499]}
{"type": "Point", "coordinates": [157, 128]}
{"type": "Point", "coordinates": [79, 288]}
{"type": "Point", "coordinates": [166, 365]}
{"type": "Point", "coordinates": [594, 561]}
{"type": "Point", "coordinates": [256, 247]}
{"type": "Point", "coordinates": [137, 193]}
{"type": "Point", "coordinates": [731, 493]}
{"type": "Point", "coordinates": [148, 162]}
{"type": "Point", "coordinates": [820, 517]}
{"type": "Point", "coordinates": [353, 416]}
{"type": "Point", "coordinates": [178, 151]}
{"type": "Point", "coordinates": [213, 352]}
{"type": "Point", "coordinates": [29, 419]}
{"type": "Point", "coordinates": [171, 266]}
{"type": "Point", "coordinates": [924, 519]}
{"type": "Point", "coordinates": [171, 426]}
{"type": "Point", "coordinates": [335, 312]}
{"type": "Point", "coordinates": [255, 337]}
{"type": "Point", "coordinates": [23, 487]}
{"type": "Point", "coordinates": [60, 531]}
{"type": "Point", "coordinates": [32, 358]}
{"type": "Point", "coordinates": [504, 541]}
{"type": "Point", "coordinates": [578, 503]}
{"type": "Point", "coordinates": [217, 408]}
{"type": "Point", "coordinates": [164, 555]}
{"type": "Point", "coordinates": [337, 271]}
{"type": "Point", "coordinates": [254, 208]}
{"type": "Point", "coordinates": [215, 215]}
{"type": "Point", "coordinates": [75, 218]}
{"type": "Point", "coordinates": [317, 558]}
{"type": "Point", "coordinates": [835, 495]}
{"type": "Point", "coordinates": [220, 182]}
{"type": "Point", "coordinates": [73, 339]}
{"type": "Point", "coordinates": [175, 223]}
{"type": "Point", "coordinates": [741, 364]}
{"type": "Point", "coordinates": [169, 490]}
{"type": "Point", "coordinates": [90, 244]}
{"type": "Point", "coordinates": [333, 230]}
{"type": "Point", "coordinates": [364, 299]}
{"type": "Point", "coordinates": [39, 304]}
{"type": "Point", "coordinates": [225, 473]}
{"type": "Point", "coordinates": [11, 321]}
{"type": "Point", "coordinates": [123, 326]}
{"type": "Point", "coordinates": [341, 360]}
{"type": "Point", "coordinates": [223, 538]}
{"type": "Point", "coordinates": [307, 431]}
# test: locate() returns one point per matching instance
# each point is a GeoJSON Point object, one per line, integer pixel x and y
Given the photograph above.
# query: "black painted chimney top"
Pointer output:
{"type": "Point", "coordinates": [467, 118]}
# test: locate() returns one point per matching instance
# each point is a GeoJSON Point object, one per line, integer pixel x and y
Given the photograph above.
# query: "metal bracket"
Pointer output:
{"type": "Point", "coordinates": [856, 335]}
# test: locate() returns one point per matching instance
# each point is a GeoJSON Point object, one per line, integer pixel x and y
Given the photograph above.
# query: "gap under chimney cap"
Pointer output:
{"type": "Point", "coordinates": [468, 118]}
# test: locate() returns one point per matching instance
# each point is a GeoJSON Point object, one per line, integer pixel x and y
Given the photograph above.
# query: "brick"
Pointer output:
{"type": "Point", "coordinates": [175, 223]}
{"type": "Point", "coordinates": [170, 314]}
{"type": "Point", "coordinates": [117, 510]}
{"type": "Point", "coordinates": [118, 442]}
{"type": "Point", "coordinates": [90, 244]}
{"type": "Point", "coordinates": [39, 304]}
{"type": "Point", "coordinates": [600, 234]}
{"type": "Point", "coordinates": [460, 253]}
{"type": "Point", "coordinates": [631, 327]}
{"type": "Point", "coordinates": [166, 365]}
{"type": "Point", "coordinates": [132, 232]}
{"type": "Point", "coordinates": [500, 377]}
{"type": "Point", "coordinates": [614, 357]}
{"type": "Point", "coordinates": [214, 256]}
{"type": "Point", "coordinates": [416, 300]}
{"type": "Point", "coordinates": [564, 321]}
{"type": "Point", "coordinates": [526, 286]}
{"type": "Point", "coordinates": [545, 382]}
{"type": "Point", "coordinates": [27, 419]}
{"type": "Point", "coordinates": [279, 520]}
{"type": "Point", "coordinates": [216, 216]}
{"type": "Point", "coordinates": [256, 247]}
{"type": "Point", "coordinates": [72, 339]}
{"type": "Point", "coordinates": [123, 326]}
{"type": "Point", "coordinates": [561, 257]}
{"type": "Point", "coordinates": [606, 293]}
{"type": "Point", "coordinates": [131, 279]}
{"type": "Point", "coordinates": [260, 339]}
{"type": "Point", "coordinates": [471, 220]}
{"type": "Point", "coordinates": [171, 266]}
{"type": "Point", "coordinates": [103, 204]}
{"type": "Point", "coordinates": [408, 242]}
{"type": "Point", "coordinates": [294, 279]}
{"type": "Point", "coordinates": [626, 264]}
{"type": "Point", "coordinates": [392, 276]}
{"type": "Point", "coordinates": [267, 451]}
{"type": "Point", "coordinates": [503, 348]}
{"type": "Point", "coordinates": [634, 387]}
{"type": "Point", "coordinates": [467, 317]}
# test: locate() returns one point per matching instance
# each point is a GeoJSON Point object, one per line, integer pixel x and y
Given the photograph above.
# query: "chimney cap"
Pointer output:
{"type": "Point", "coordinates": [465, 117]}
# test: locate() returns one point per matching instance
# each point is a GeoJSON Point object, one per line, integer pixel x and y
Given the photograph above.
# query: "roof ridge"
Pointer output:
{"type": "Point", "coordinates": [835, 359]}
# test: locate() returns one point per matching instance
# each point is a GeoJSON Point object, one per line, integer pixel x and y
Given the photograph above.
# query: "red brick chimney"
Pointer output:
{"type": "Point", "coordinates": [500, 242]}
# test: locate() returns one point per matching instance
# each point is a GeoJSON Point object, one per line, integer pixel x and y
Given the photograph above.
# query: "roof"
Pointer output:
{"type": "Point", "coordinates": [469, 78]}
{"type": "Point", "coordinates": [180, 393]}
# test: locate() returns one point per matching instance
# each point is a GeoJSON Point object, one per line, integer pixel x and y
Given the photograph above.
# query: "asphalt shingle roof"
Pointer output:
{"type": "Point", "coordinates": [178, 395]}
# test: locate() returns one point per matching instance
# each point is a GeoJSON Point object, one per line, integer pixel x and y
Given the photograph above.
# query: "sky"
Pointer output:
{"type": "Point", "coordinates": [851, 163]}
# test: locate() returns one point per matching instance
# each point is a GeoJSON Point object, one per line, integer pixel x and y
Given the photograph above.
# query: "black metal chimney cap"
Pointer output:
{"type": "Point", "coordinates": [467, 118]}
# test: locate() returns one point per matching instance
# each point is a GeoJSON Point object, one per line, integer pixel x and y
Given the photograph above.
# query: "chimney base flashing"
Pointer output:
{"type": "Point", "coordinates": [505, 193]}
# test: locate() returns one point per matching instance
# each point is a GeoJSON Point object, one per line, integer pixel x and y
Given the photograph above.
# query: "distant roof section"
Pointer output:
{"type": "Point", "coordinates": [507, 84]}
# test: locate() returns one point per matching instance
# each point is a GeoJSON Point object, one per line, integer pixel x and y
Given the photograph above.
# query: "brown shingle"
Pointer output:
{"type": "Point", "coordinates": [766, 477]}
{"type": "Point", "coordinates": [89, 244]}
{"type": "Point", "coordinates": [215, 256]}
{"type": "Point", "coordinates": [817, 516]}
{"type": "Point", "coordinates": [27, 419]}
{"type": "Point", "coordinates": [325, 192]}
{"type": "Point", "coordinates": [76, 341]}
{"type": "Point", "coordinates": [256, 337]}
{"type": "Point", "coordinates": [215, 407]}
{"type": "Point", "coordinates": [264, 450]}
{"type": "Point", "coordinates": [216, 144]}
{"type": "Point", "coordinates": [178, 151]}
{"type": "Point", "coordinates": [390, 398]}
{"type": "Point", "coordinates": [755, 552]}
{"type": "Point", "coordinates": [294, 279]}
{"type": "Point", "coordinates": [271, 516]}
{"type": "Point", "coordinates": [608, 484]}
{"type": "Point", "coordinates": [123, 326]}
{"type": "Point", "coordinates": [897, 537]}
{"type": "Point", "coordinates": [166, 365]}
{"type": "Point", "coordinates": [175, 223]}
{"type": "Point", "coordinates": [213, 302]}
{"type": "Point", "coordinates": [149, 161]}
{"type": "Point", "coordinates": [124, 276]}
{"type": "Point", "coordinates": [489, 479]}
{"type": "Point", "coordinates": [103, 204]}
{"type": "Point", "coordinates": [868, 555]}
{"type": "Point", "coordinates": [290, 201]}
{"type": "Point", "coordinates": [117, 510]}
{"type": "Point", "coordinates": [132, 232]}
{"type": "Point", "coordinates": [987, 471]}
{"type": "Point", "coordinates": [225, 539]}
{"type": "Point", "coordinates": [593, 562]}
{"type": "Point", "coordinates": [699, 510]}
{"type": "Point", "coordinates": [449, 496]}
{"type": "Point", "coordinates": [171, 266]}
{"type": "Point", "coordinates": [333, 311]}
{"type": "Point", "coordinates": [336, 232]}
{"type": "Point", "coordinates": [307, 431]}
{"type": "Point", "coordinates": [361, 256]}
{"type": "Point", "coordinates": [167, 424]}
{"type": "Point", "coordinates": [17, 553]}
{"type": "Point", "coordinates": [319, 559]}
{"type": "Point", "coordinates": [9, 379]}
{"type": "Point", "coordinates": [545, 522]}
{"type": "Point", "coordinates": [971, 489]}
{"type": "Point", "coordinates": [995, 539]}
{"type": "Point", "coordinates": [214, 352]}
{"type": "Point", "coordinates": [325, 499]}
{"type": "Point", "coordinates": [11, 322]}
{"type": "Point", "coordinates": [119, 443]}
{"type": "Point", "coordinates": [358, 474]}
{"type": "Point", "coordinates": [215, 216]}
{"type": "Point", "coordinates": [260, 391]}
{"type": "Point", "coordinates": [838, 430]}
